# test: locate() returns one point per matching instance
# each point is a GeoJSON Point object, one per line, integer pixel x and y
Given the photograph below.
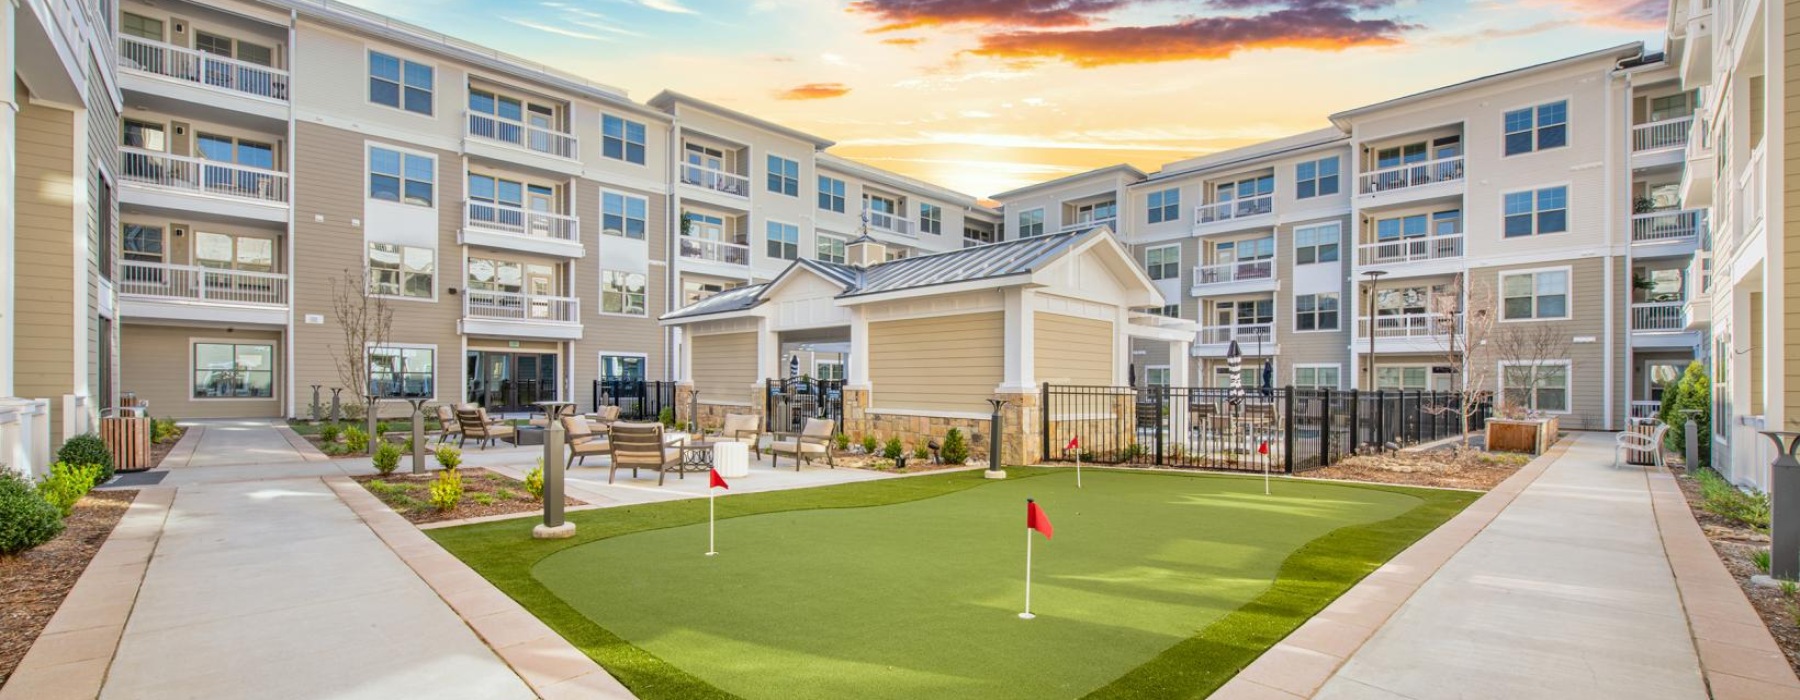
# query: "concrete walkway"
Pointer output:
{"type": "Point", "coordinates": [234, 442]}
{"type": "Point", "coordinates": [1567, 593]}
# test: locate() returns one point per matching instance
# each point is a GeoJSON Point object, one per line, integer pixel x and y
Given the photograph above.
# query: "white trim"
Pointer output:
{"type": "Point", "coordinates": [1295, 315]}
{"type": "Point", "coordinates": [368, 75]}
{"type": "Point", "coordinates": [817, 363]}
{"type": "Point", "coordinates": [1568, 384]}
{"type": "Point", "coordinates": [1043, 223]}
{"type": "Point", "coordinates": [367, 196]}
{"type": "Point", "coordinates": [1500, 206]}
{"type": "Point", "coordinates": [600, 123]}
{"type": "Point", "coordinates": [1294, 237]}
{"type": "Point", "coordinates": [1569, 294]}
{"type": "Point", "coordinates": [1568, 101]}
{"type": "Point", "coordinates": [600, 309]}
{"type": "Point", "coordinates": [798, 230]}
{"type": "Point", "coordinates": [274, 369]}
{"type": "Point", "coordinates": [600, 224]}
{"type": "Point", "coordinates": [1178, 261]}
{"type": "Point", "coordinates": [436, 359]}
{"type": "Point", "coordinates": [1338, 366]}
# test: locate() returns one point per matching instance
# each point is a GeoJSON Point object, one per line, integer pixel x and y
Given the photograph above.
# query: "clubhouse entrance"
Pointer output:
{"type": "Point", "coordinates": [511, 381]}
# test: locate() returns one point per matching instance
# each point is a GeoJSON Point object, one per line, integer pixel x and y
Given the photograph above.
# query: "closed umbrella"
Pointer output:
{"type": "Point", "coordinates": [1234, 361]}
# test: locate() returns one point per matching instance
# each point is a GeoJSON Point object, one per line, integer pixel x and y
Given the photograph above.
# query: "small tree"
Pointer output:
{"type": "Point", "coordinates": [1475, 317]}
{"type": "Point", "coordinates": [365, 320]}
{"type": "Point", "coordinates": [1691, 391]}
{"type": "Point", "coordinates": [955, 449]}
{"type": "Point", "coordinates": [1529, 348]}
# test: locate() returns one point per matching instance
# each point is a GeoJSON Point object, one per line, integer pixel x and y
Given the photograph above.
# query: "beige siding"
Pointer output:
{"type": "Point", "coordinates": [944, 363]}
{"type": "Point", "coordinates": [103, 153]}
{"type": "Point", "coordinates": [724, 367]}
{"type": "Point", "coordinates": [45, 316]}
{"type": "Point", "coordinates": [607, 334]}
{"type": "Point", "coordinates": [158, 365]}
{"type": "Point", "coordinates": [1789, 210]}
{"type": "Point", "coordinates": [1071, 350]}
{"type": "Point", "coordinates": [1313, 347]}
{"type": "Point", "coordinates": [1587, 360]}
{"type": "Point", "coordinates": [1759, 350]}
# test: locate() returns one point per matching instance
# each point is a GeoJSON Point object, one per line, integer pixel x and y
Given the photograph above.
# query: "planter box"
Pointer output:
{"type": "Point", "coordinates": [1528, 436]}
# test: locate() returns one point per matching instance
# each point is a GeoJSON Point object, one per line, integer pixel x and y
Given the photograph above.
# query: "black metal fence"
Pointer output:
{"type": "Point", "coordinates": [791, 401]}
{"type": "Point", "coordinates": [1281, 429]}
{"type": "Point", "coordinates": [637, 399]}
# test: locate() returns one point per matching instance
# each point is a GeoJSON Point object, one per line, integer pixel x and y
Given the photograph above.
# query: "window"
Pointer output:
{"type": "Point", "coordinates": [1415, 378]}
{"type": "Point", "coordinates": [1165, 205]}
{"type": "Point", "coordinates": [1535, 387]}
{"type": "Point", "coordinates": [622, 139]}
{"type": "Point", "coordinates": [623, 293]}
{"type": "Point", "coordinates": [828, 370]}
{"type": "Point", "coordinates": [401, 271]}
{"type": "Point", "coordinates": [784, 241]}
{"type": "Point", "coordinates": [1537, 212]}
{"type": "Point", "coordinates": [974, 236]}
{"type": "Point", "coordinates": [931, 218]}
{"type": "Point", "coordinates": [831, 249]}
{"type": "Point", "coordinates": [1316, 178]}
{"type": "Point", "coordinates": [109, 233]}
{"type": "Point", "coordinates": [223, 252]}
{"type": "Point", "coordinates": [1316, 244]}
{"type": "Point", "coordinates": [692, 292]}
{"type": "Point", "coordinates": [400, 83]}
{"type": "Point", "coordinates": [1166, 310]}
{"type": "Point", "coordinates": [831, 194]}
{"type": "Point", "coordinates": [1316, 377]}
{"type": "Point", "coordinates": [1535, 295]}
{"type": "Point", "coordinates": [401, 177]}
{"type": "Point", "coordinates": [1096, 212]}
{"type": "Point", "coordinates": [622, 368]}
{"type": "Point", "coordinates": [140, 27]}
{"type": "Point", "coordinates": [1537, 128]}
{"type": "Point", "coordinates": [143, 244]}
{"type": "Point", "coordinates": [784, 176]}
{"type": "Point", "coordinates": [233, 371]}
{"type": "Point", "coordinates": [624, 215]}
{"type": "Point", "coordinates": [1251, 195]}
{"type": "Point", "coordinates": [1031, 223]}
{"type": "Point", "coordinates": [402, 373]}
{"type": "Point", "coordinates": [1316, 312]}
{"type": "Point", "coordinates": [1163, 263]}
{"type": "Point", "coordinates": [1156, 376]}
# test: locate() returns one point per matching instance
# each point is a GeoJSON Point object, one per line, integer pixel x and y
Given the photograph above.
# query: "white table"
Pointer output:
{"type": "Point", "coordinates": [731, 459]}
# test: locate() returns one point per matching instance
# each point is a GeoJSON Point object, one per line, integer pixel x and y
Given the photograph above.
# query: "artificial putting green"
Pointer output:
{"type": "Point", "coordinates": [1156, 585]}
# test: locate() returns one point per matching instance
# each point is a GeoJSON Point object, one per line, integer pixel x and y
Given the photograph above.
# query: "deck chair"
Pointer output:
{"type": "Point", "coordinates": [813, 439]}
{"type": "Point", "coordinates": [565, 411]}
{"type": "Point", "coordinates": [641, 446]}
{"type": "Point", "coordinates": [602, 420]}
{"type": "Point", "coordinates": [448, 427]}
{"type": "Point", "coordinates": [1640, 442]}
{"type": "Point", "coordinates": [475, 426]}
{"type": "Point", "coordinates": [742, 427]}
{"type": "Point", "coordinates": [583, 441]}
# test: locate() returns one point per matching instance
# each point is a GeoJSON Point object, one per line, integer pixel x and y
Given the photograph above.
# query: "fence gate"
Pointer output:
{"type": "Point", "coordinates": [791, 401]}
{"type": "Point", "coordinates": [638, 400]}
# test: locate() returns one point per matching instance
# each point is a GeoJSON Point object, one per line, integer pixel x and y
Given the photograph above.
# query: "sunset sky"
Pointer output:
{"type": "Point", "coordinates": [986, 95]}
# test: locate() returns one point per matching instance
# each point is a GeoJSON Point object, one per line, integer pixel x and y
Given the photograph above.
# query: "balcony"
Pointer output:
{"type": "Point", "coordinates": [514, 228]}
{"type": "Point", "coordinates": [519, 136]}
{"type": "Point", "coordinates": [1235, 214]}
{"type": "Point", "coordinates": [1645, 409]}
{"type": "Point", "coordinates": [1254, 339]}
{"type": "Point", "coordinates": [715, 251]}
{"type": "Point", "coordinates": [185, 183]}
{"type": "Point", "coordinates": [1409, 333]}
{"type": "Point", "coordinates": [195, 293]}
{"type": "Point", "coordinates": [1110, 222]}
{"type": "Point", "coordinates": [196, 76]}
{"type": "Point", "coordinates": [1664, 135]}
{"type": "Point", "coordinates": [1668, 232]}
{"type": "Point", "coordinates": [891, 223]}
{"type": "Point", "coordinates": [1412, 180]}
{"type": "Point", "coordinates": [1235, 277]}
{"type": "Point", "coordinates": [521, 315]}
{"type": "Point", "coordinates": [1657, 316]}
{"type": "Point", "coordinates": [715, 180]}
{"type": "Point", "coordinates": [1411, 250]}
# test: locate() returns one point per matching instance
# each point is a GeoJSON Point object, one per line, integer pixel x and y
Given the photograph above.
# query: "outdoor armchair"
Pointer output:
{"type": "Point", "coordinates": [583, 441]}
{"type": "Point", "coordinates": [447, 425]}
{"type": "Point", "coordinates": [813, 439]}
{"type": "Point", "coordinates": [742, 427]}
{"type": "Point", "coordinates": [602, 420]}
{"type": "Point", "coordinates": [475, 426]}
{"type": "Point", "coordinates": [641, 446]}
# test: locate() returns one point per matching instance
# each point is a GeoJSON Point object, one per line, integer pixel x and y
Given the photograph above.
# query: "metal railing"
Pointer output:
{"type": "Point", "coordinates": [1245, 333]}
{"type": "Point", "coordinates": [714, 179]}
{"type": "Point", "coordinates": [1418, 174]}
{"type": "Point", "coordinates": [515, 306]}
{"type": "Point", "coordinates": [1645, 409]}
{"type": "Point", "coordinates": [201, 68]}
{"type": "Point", "coordinates": [789, 402]}
{"type": "Point", "coordinates": [168, 281]}
{"type": "Point", "coordinates": [519, 221]}
{"type": "Point", "coordinates": [715, 251]}
{"type": "Point", "coordinates": [1234, 209]}
{"type": "Point", "coordinates": [1110, 222]}
{"type": "Point", "coordinates": [1240, 271]}
{"type": "Point", "coordinates": [1666, 226]}
{"type": "Point", "coordinates": [1658, 316]}
{"type": "Point", "coordinates": [637, 399]}
{"type": "Point", "coordinates": [526, 136]}
{"type": "Point", "coordinates": [1411, 326]}
{"type": "Point", "coordinates": [1658, 135]}
{"type": "Point", "coordinates": [894, 223]}
{"type": "Point", "coordinates": [201, 176]}
{"type": "Point", "coordinates": [1412, 250]}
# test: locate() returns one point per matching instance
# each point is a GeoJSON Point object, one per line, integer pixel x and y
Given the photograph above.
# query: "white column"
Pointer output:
{"type": "Point", "coordinates": [1020, 373]}
{"type": "Point", "coordinates": [768, 351]}
{"type": "Point", "coordinates": [684, 356]}
{"type": "Point", "coordinates": [8, 153]}
{"type": "Point", "coordinates": [1180, 413]}
{"type": "Point", "coordinates": [857, 373]}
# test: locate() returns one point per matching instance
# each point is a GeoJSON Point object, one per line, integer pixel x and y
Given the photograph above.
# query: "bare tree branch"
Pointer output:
{"type": "Point", "coordinates": [365, 320]}
{"type": "Point", "coordinates": [1465, 321]}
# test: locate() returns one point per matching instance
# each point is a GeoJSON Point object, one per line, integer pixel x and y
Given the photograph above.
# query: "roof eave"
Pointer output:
{"type": "Point", "coordinates": [1343, 119]}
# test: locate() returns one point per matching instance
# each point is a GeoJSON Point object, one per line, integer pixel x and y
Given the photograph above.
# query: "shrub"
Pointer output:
{"type": "Point", "coordinates": [164, 430]}
{"type": "Point", "coordinates": [1693, 390]}
{"type": "Point", "coordinates": [955, 449]}
{"type": "Point", "coordinates": [26, 519]}
{"type": "Point", "coordinates": [870, 445]}
{"type": "Point", "coordinates": [329, 432]}
{"type": "Point", "coordinates": [334, 449]}
{"type": "Point", "coordinates": [352, 411]}
{"type": "Point", "coordinates": [447, 490]}
{"type": "Point", "coordinates": [386, 458]}
{"type": "Point", "coordinates": [667, 416]}
{"type": "Point", "coordinates": [448, 457]}
{"type": "Point", "coordinates": [356, 440]}
{"type": "Point", "coordinates": [921, 452]}
{"type": "Point", "coordinates": [506, 494]}
{"type": "Point", "coordinates": [893, 449]}
{"type": "Point", "coordinates": [482, 499]}
{"type": "Point", "coordinates": [1761, 559]}
{"type": "Point", "coordinates": [1726, 500]}
{"type": "Point", "coordinates": [87, 449]}
{"type": "Point", "coordinates": [67, 483]}
{"type": "Point", "coordinates": [534, 480]}
{"type": "Point", "coordinates": [1131, 452]}
{"type": "Point", "coordinates": [841, 441]}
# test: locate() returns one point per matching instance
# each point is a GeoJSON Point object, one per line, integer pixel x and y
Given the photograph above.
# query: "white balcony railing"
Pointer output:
{"type": "Point", "coordinates": [892, 223]}
{"type": "Point", "coordinates": [201, 68]}
{"type": "Point", "coordinates": [1111, 222]}
{"type": "Point", "coordinates": [488, 216]}
{"type": "Point", "coordinates": [514, 306]}
{"type": "Point", "coordinates": [194, 283]}
{"type": "Point", "coordinates": [1751, 194]}
{"type": "Point", "coordinates": [1418, 174]}
{"type": "Point", "coordinates": [1249, 333]}
{"type": "Point", "coordinates": [1645, 409]}
{"type": "Point", "coordinates": [715, 251]}
{"type": "Point", "coordinates": [1668, 226]}
{"type": "Point", "coordinates": [1240, 271]}
{"type": "Point", "coordinates": [1411, 326]}
{"type": "Point", "coordinates": [1659, 135]}
{"type": "Point", "coordinates": [522, 135]}
{"type": "Point", "coordinates": [714, 179]}
{"type": "Point", "coordinates": [201, 176]}
{"type": "Point", "coordinates": [1234, 209]}
{"type": "Point", "coordinates": [1412, 250]}
{"type": "Point", "coordinates": [1658, 316]}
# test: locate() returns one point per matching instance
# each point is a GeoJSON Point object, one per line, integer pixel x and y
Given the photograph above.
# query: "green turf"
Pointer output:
{"type": "Point", "coordinates": [1157, 585]}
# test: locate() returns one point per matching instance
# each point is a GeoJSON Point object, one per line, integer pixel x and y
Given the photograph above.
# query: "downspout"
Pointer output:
{"type": "Point", "coordinates": [293, 150]}
{"type": "Point", "coordinates": [1609, 305]}
{"type": "Point", "coordinates": [672, 286]}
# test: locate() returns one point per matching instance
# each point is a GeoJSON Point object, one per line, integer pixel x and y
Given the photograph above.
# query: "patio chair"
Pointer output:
{"type": "Point", "coordinates": [448, 427]}
{"type": "Point", "coordinates": [476, 426]}
{"type": "Point", "coordinates": [582, 441]}
{"type": "Point", "coordinates": [641, 446]}
{"type": "Point", "coordinates": [813, 439]}
{"type": "Point", "coordinates": [543, 422]}
{"type": "Point", "coordinates": [742, 427]}
{"type": "Point", "coordinates": [1640, 442]}
{"type": "Point", "coordinates": [602, 420]}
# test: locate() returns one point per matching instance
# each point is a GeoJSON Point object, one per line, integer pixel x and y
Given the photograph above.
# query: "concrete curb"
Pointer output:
{"type": "Point", "coordinates": [300, 444]}
{"type": "Point", "coordinates": [71, 657]}
{"type": "Point", "coordinates": [1297, 666]}
{"type": "Point", "coordinates": [183, 451]}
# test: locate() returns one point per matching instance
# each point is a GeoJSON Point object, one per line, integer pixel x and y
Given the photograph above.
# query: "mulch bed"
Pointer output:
{"type": "Point", "coordinates": [159, 450]}
{"type": "Point", "coordinates": [877, 463]}
{"type": "Point", "coordinates": [1458, 469]}
{"type": "Point", "coordinates": [33, 583]}
{"type": "Point", "coordinates": [1736, 543]}
{"type": "Point", "coordinates": [410, 496]}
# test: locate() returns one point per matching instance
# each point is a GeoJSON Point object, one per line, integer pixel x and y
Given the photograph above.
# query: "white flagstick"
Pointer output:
{"type": "Point", "coordinates": [711, 493]}
{"type": "Point", "coordinates": [1027, 614]}
{"type": "Point", "coordinates": [1077, 467]}
{"type": "Point", "coordinates": [1266, 459]}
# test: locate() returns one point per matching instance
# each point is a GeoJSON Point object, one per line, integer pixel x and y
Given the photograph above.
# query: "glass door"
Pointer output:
{"type": "Point", "coordinates": [541, 200]}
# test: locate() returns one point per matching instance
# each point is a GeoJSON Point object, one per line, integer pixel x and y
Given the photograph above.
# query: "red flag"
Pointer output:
{"type": "Point", "coordinates": [1074, 442]}
{"type": "Point", "coordinates": [718, 482]}
{"type": "Point", "coordinates": [1035, 518]}
{"type": "Point", "coordinates": [1263, 448]}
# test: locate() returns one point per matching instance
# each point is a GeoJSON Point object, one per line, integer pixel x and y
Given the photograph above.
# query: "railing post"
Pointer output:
{"type": "Point", "coordinates": [1325, 427]}
{"type": "Point", "coordinates": [1164, 419]}
{"type": "Point", "coordinates": [1043, 419]}
{"type": "Point", "coordinates": [1381, 438]}
{"type": "Point", "coordinates": [1355, 421]}
{"type": "Point", "coordinates": [1287, 425]}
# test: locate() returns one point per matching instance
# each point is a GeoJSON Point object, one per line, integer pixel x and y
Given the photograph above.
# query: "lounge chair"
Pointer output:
{"type": "Point", "coordinates": [448, 427]}
{"type": "Point", "coordinates": [582, 441]}
{"type": "Point", "coordinates": [742, 427]}
{"type": "Point", "coordinates": [476, 426]}
{"type": "Point", "coordinates": [641, 446]}
{"type": "Point", "coordinates": [602, 420]}
{"type": "Point", "coordinates": [813, 439]}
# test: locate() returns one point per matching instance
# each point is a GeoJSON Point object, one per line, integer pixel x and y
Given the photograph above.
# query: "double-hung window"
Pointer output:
{"type": "Point", "coordinates": [784, 240]}
{"type": "Point", "coordinates": [931, 218]}
{"type": "Point", "coordinates": [233, 371]}
{"type": "Point", "coordinates": [402, 373]}
{"type": "Point", "coordinates": [1537, 128]}
{"type": "Point", "coordinates": [395, 176]}
{"type": "Point", "coordinates": [1541, 387]}
{"type": "Point", "coordinates": [1539, 295]}
{"type": "Point", "coordinates": [1163, 262]}
{"type": "Point", "coordinates": [831, 249]}
{"type": "Point", "coordinates": [1316, 312]}
{"type": "Point", "coordinates": [1316, 178]}
{"type": "Point", "coordinates": [1537, 212]}
{"type": "Point", "coordinates": [784, 176]}
{"type": "Point", "coordinates": [623, 293]}
{"type": "Point", "coordinates": [624, 215]}
{"type": "Point", "coordinates": [399, 83]}
{"type": "Point", "coordinates": [622, 139]}
{"type": "Point", "coordinates": [831, 194]}
{"type": "Point", "coordinates": [1164, 205]}
{"type": "Point", "coordinates": [1031, 223]}
{"type": "Point", "coordinates": [1316, 244]}
{"type": "Point", "coordinates": [1316, 377]}
{"type": "Point", "coordinates": [401, 270]}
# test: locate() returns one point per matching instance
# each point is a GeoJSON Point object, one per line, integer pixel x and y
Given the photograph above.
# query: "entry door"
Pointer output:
{"type": "Point", "coordinates": [496, 373]}
{"type": "Point", "coordinates": [540, 200]}
{"type": "Point", "coordinates": [540, 283]}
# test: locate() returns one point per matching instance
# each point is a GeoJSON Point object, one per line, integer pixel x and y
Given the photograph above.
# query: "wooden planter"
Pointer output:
{"type": "Point", "coordinates": [1528, 436]}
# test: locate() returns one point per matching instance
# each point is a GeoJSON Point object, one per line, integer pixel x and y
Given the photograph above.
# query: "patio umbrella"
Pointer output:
{"type": "Point", "coordinates": [1131, 374]}
{"type": "Point", "coordinates": [793, 366]}
{"type": "Point", "coordinates": [1234, 361]}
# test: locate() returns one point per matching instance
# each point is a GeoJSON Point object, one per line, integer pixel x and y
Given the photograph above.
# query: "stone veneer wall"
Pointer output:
{"type": "Point", "coordinates": [712, 415]}
{"type": "Point", "coordinates": [1021, 441]}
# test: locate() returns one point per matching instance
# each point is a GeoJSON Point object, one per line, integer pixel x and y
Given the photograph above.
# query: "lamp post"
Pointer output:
{"type": "Point", "coordinates": [553, 527]}
{"type": "Point", "coordinates": [418, 435]}
{"type": "Point", "coordinates": [317, 409]}
{"type": "Point", "coordinates": [1784, 514]}
{"type": "Point", "coordinates": [996, 423]}
{"type": "Point", "coordinates": [1374, 281]}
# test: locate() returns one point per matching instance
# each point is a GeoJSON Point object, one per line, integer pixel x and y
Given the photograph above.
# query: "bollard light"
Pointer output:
{"type": "Point", "coordinates": [317, 409]}
{"type": "Point", "coordinates": [553, 527]}
{"type": "Point", "coordinates": [1784, 515]}
{"type": "Point", "coordinates": [996, 423]}
{"type": "Point", "coordinates": [337, 413]}
{"type": "Point", "coordinates": [418, 435]}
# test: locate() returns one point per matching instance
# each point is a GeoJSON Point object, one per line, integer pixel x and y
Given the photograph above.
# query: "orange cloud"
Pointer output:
{"type": "Point", "coordinates": [904, 40]}
{"type": "Point", "coordinates": [911, 14]}
{"type": "Point", "coordinates": [813, 91]}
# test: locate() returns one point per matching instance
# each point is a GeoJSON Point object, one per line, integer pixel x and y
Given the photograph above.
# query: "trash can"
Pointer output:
{"type": "Point", "coordinates": [126, 432]}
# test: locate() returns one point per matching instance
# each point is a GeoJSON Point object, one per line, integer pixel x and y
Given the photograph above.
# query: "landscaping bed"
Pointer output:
{"type": "Point", "coordinates": [1454, 468]}
{"type": "Point", "coordinates": [33, 583]}
{"type": "Point", "coordinates": [164, 436]}
{"type": "Point", "coordinates": [484, 493]}
{"type": "Point", "coordinates": [1737, 528]}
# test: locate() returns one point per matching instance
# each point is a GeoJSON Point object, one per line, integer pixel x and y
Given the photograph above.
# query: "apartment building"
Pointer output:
{"type": "Point", "coordinates": [59, 173]}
